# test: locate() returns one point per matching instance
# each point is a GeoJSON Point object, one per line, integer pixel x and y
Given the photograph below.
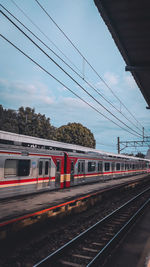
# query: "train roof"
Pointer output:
{"type": "Point", "coordinates": [35, 142]}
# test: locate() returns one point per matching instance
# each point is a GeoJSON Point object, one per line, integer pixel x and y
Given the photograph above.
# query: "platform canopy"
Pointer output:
{"type": "Point", "coordinates": [129, 23]}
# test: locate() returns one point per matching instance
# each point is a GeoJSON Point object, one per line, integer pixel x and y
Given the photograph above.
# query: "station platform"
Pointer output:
{"type": "Point", "coordinates": [25, 210]}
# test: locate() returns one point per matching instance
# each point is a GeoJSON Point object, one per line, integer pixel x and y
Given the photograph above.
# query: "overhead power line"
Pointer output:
{"type": "Point", "coordinates": [40, 39]}
{"type": "Point", "coordinates": [69, 75]}
{"type": "Point", "coordinates": [45, 35]}
{"type": "Point", "coordinates": [87, 82]}
{"type": "Point", "coordinates": [85, 59]}
{"type": "Point", "coordinates": [31, 59]}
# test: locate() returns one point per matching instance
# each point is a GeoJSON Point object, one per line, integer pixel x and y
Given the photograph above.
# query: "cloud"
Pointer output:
{"type": "Point", "coordinates": [129, 81]}
{"type": "Point", "coordinates": [3, 83]}
{"type": "Point", "coordinates": [111, 78]}
{"type": "Point", "coordinates": [17, 86]}
{"type": "Point", "coordinates": [73, 102]}
{"type": "Point", "coordinates": [23, 93]}
{"type": "Point", "coordinates": [23, 87]}
{"type": "Point", "coordinates": [46, 99]}
{"type": "Point", "coordinates": [61, 89]}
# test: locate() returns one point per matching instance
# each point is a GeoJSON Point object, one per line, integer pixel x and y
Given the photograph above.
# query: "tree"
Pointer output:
{"type": "Point", "coordinates": [140, 155]}
{"type": "Point", "coordinates": [75, 133]}
{"type": "Point", "coordinates": [8, 120]}
{"type": "Point", "coordinates": [27, 122]}
{"type": "Point", "coordinates": [33, 124]}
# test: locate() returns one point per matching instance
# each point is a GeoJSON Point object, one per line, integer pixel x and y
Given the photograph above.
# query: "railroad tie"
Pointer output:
{"type": "Point", "coordinates": [97, 244]}
{"type": "Point", "coordinates": [82, 256]}
{"type": "Point", "coordinates": [90, 249]}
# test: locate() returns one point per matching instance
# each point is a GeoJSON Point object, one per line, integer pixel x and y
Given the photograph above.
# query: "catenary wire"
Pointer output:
{"type": "Point", "coordinates": [46, 36]}
{"type": "Point", "coordinates": [75, 65]}
{"type": "Point", "coordinates": [36, 63]}
{"type": "Point", "coordinates": [41, 41]}
{"type": "Point", "coordinates": [86, 60]}
{"type": "Point", "coordinates": [87, 82]}
{"type": "Point", "coordinates": [68, 74]}
{"type": "Point", "coordinates": [63, 53]}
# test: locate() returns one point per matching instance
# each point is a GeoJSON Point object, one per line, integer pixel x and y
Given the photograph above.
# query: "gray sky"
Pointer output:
{"type": "Point", "coordinates": [22, 83]}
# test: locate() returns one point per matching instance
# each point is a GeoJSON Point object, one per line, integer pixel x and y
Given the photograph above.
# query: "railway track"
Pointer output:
{"type": "Point", "coordinates": [93, 246]}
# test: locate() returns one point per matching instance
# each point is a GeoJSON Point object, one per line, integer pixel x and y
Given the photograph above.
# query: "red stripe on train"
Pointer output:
{"type": "Point", "coordinates": [27, 180]}
{"type": "Point", "coordinates": [103, 173]}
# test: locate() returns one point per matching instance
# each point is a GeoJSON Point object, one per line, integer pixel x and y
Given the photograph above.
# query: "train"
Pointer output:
{"type": "Point", "coordinates": [30, 165]}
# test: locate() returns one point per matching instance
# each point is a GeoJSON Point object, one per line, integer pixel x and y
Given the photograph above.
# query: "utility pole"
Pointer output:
{"type": "Point", "coordinates": [121, 145]}
{"type": "Point", "coordinates": [118, 144]}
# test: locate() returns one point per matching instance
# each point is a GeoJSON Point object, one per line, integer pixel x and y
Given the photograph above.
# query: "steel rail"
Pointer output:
{"type": "Point", "coordinates": [117, 236]}
{"type": "Point", "coordinates": [55, 256]}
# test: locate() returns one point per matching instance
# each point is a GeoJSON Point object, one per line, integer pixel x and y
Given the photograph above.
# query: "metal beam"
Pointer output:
{"type": "Point", "coordinates": [137, 68]}
{"type": "Point", "coordinates": [144, 143]}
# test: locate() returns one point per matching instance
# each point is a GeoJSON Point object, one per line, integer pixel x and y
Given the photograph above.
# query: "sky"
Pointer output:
{"type": "Point", "coordinates": [23, 83]}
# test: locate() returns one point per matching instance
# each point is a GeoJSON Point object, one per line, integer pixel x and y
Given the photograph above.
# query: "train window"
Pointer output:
{"type": "Point", "coordinates": [72, 167]}
{"type": "Point", "coordinates": [40, 167]}
{"type": "Point", "coordinates": [91, 166]}
{"type": "Point", "coordinates": [140, 165]}
{"type": "Point", "coordinates": [46, 167]}
{"type": "Point", "coordinates": [118, 166]}
{"type": "Point", "coordinates": [100, 166]}
{"type": "Point", "coordinates": [58, 166]}
{"type": "Point", "coordinates": [107, 166]}
{"type": "Point", "coordinates": [23, 167]}
{"type": "Point", "coordinates": [136, 166]}
{"type": "Point", "coordinates": [122, 166]}
{"type": "Point", "coordinates": [113, 166]}
{"type": "Point", "coordinates": [143, 166]}
{"type": "Point", "coordinates": [79, 166]}
{"type": "Point", "coordinates": [15, 167]}
{"type": "Point", "coordinates": [65, 163]}
{"type": "Point", "coordinates": [10, 168]}
{"type": "Point", "coordinates": [126, 166]}
{"type": "Point", "coordinates": [82, 166]}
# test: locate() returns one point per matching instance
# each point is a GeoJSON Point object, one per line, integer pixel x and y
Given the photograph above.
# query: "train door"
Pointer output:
{"type": "Point", "coordinates": [71, 172]}
{"type": "Point", "coordinates": [58, 173]}
{"type": "Point", "coordinates": [82, 170]}
{"type": "Point", "coordinates": [44, 173]}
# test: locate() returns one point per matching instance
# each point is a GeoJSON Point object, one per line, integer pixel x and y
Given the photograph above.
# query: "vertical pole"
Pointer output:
{"type": "Point", "coordinates": [118, 144]}
{"type": "Point", "coordinates": [143, 133]}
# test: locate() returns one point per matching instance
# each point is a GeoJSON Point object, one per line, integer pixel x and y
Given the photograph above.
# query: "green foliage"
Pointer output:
{"type": "Point", "coordinates": [140, 155]}
{"type": "Point", "coordinates": [8, 120]}
{"type": "Point", "coordinates": [75, 133]}
{"type": "Point", "coordinates": [33, 124]}
{"type": "Point", "coordinates": [26, 121]}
